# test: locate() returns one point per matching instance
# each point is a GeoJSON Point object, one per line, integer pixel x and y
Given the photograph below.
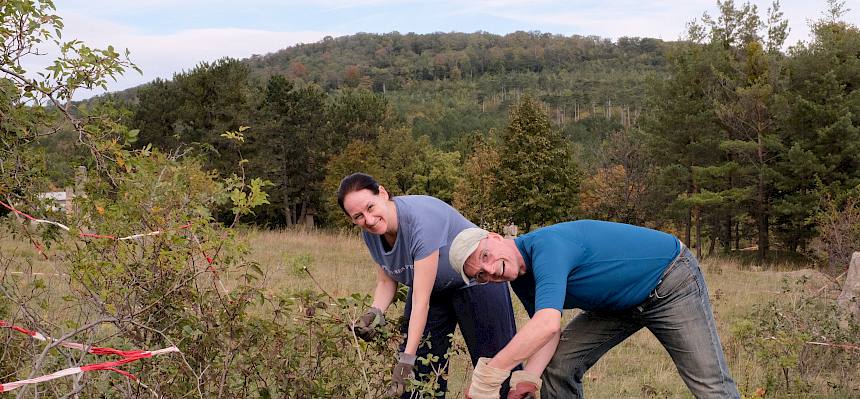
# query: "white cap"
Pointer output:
{"type": "Point", "coordinates": [464, 244]}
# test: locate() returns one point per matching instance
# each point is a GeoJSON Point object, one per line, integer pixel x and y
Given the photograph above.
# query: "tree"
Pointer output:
{"type": "Point", "coordinates": [356, 115]}
{"type": "Point", "coordinates": [744, 105]}
{"type": "Point", "coordinates": [473, 194]}
{"type": "Point", "coordinates": [682, 130]}
{"type": "Point", "coordinates": [293, 147]}
{"type": "Point", "coordinates": [820, 120]}
{"type": "Point", "coordinates": [195, 108]}
{"type": "Point", "coordinates": [538, 178]}
{"type": "Point", "coordinates": [620, 187]}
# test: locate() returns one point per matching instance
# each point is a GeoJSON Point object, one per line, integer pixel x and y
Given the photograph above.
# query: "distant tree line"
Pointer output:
{"type": "Point", "coordinates": [721, 138]}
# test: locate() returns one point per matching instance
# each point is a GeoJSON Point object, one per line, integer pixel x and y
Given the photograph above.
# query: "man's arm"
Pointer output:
{"type": "Point", "coordinates": [544, 328]}
{"type": "Point", "coordinates": [538, 361]}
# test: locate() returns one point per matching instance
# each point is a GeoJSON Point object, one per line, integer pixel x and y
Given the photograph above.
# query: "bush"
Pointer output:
{"type": "Point", "coordinates": [839, 228]}
{"type": "Point", "coordinates": [798, 340]}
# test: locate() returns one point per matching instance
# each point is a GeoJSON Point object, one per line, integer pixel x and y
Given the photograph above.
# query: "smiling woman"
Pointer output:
{"type": "Point", "coordinates": [409, 238]}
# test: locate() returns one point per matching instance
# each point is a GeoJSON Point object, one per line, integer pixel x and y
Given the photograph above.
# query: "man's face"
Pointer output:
{"type": "Point", "coordinates": [493, 261]}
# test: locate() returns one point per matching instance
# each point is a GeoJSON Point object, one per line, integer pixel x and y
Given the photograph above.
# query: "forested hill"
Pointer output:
{"type": "Point", "coordinates": [449, 83]}
{"type": "Point", "coordinates": [587, 69]}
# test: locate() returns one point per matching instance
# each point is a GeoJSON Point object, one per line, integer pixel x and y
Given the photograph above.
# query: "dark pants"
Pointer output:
{"type": "Point", "coordinates": [486, 320]}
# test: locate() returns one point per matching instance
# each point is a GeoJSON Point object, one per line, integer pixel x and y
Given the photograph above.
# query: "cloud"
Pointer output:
{"type": "Point", "coordinates": [162, 55]}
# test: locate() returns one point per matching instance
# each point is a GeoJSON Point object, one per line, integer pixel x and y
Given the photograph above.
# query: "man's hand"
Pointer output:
{"type": "Point", "coordinates": [365, 327]}
{"type": "Point", "coordinates": [401, 375]}
{"type": "Point", "coordinates": [486, 381]}
{"type": "Point", "coordinates": [524, 385]}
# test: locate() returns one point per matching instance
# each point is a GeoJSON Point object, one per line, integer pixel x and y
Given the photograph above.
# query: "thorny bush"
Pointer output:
{"type": "Point", "coordinates": [797, 339]}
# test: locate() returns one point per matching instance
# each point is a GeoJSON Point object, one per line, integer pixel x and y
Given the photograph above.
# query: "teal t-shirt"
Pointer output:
{"type": "Point", "coordinates": [591, 265]}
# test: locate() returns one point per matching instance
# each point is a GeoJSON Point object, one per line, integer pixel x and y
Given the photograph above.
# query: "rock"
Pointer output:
{"type": "Point", "coordinates": [849, 299]}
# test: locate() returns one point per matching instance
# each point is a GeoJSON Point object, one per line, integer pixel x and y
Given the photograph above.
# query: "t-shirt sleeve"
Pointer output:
{"type": "Point", "coordinates": [552, 261]}
{"type": "Point", "coordinates": [429, 232]}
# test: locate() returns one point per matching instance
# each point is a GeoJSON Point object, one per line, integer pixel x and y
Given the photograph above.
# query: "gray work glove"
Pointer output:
{"type": "Point", "coordinates": [365, 327]}
{"type": "Point", "coordinates": [403, 372]}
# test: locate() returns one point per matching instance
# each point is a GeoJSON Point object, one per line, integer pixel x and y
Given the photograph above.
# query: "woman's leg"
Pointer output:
{"type": "Point", "coordinates": [486, 319]}
{"type": "Point", "coordinates": [441, 322]}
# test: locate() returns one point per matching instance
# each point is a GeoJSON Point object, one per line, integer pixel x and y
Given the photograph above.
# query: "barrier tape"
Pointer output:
{"type": "Point", "coordinates": [96, 350]}
{"type": "Point", "coordinates": [90, 235]}
{"type": "Point", "coordinates": [108, 366]}
{"type": "Point", "coordinates": [209, 259]}
{"type": "Point", "coordinates": [127, 357]}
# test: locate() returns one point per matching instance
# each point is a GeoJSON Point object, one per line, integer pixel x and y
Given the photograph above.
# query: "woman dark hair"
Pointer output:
{"type": "Point", "coordinates": [409, 238]}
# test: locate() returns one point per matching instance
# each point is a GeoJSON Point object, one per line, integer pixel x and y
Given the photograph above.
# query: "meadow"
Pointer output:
{"type": "Point", "coordinates": [338, 263]}
{"type": "Point", "coordinates": [639, 367]}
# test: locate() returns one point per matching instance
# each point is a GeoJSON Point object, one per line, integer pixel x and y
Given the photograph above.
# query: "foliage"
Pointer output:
{"type": "Point", "coordinates": [819, 118]}
{"type": "Point", "coordinates": [473, 194]}
{"type": "Point", "coordinates": [537, 177]}
{"type": "Point", "coordinates": [163, 287]}
{"type": "Point", "coordinates": [839, 234]}
{"type": "Point", "coordinates": [798, 341]}
{"type": "Point", "coordinates": [194, 109]}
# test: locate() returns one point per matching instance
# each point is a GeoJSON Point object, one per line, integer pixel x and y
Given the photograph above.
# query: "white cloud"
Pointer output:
{"type": "Point", "coordinates": [162, 55]}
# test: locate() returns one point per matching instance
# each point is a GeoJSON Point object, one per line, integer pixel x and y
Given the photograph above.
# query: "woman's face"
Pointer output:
{"type": "Point", "coordinates": [369, 211]}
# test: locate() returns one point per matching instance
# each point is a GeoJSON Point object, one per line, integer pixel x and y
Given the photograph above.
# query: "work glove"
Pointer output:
{"type": "Point", "coordinates": [365, 327]}
{"type": "Point", "coordinates": [524, 385]}
{"type": "Point", "coordinates": [401, 375]}
{"type": "Point", "coordinates": [486, 381]}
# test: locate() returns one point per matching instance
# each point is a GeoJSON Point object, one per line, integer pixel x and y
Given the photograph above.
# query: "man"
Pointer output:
{"type": "Point", "coordinates": [623, 277]}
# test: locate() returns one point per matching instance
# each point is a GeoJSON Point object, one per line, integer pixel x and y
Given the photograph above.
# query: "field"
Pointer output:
{"type": "Point", "coordinates": [639, 367]}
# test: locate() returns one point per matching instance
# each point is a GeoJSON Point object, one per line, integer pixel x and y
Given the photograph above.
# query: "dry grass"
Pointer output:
{"type": "Point", "coordinates": [639, 367]}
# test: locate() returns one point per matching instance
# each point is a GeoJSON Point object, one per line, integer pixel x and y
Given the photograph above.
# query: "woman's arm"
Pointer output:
{"type": "Point", "coordinates": [386, 287]}
{"type": "Point", "coordinates": [422, 286]}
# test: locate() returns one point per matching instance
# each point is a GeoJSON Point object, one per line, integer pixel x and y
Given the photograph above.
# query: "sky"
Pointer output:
{"type": "Point", "coordinates": [169, 36]}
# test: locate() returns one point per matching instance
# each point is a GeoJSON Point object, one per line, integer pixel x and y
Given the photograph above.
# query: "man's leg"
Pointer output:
{"type": "Point", "coordinates": [680, 316]}
{"type": "Point", "coordinates": [585, 339]}
{"type": "Point", "coordinates": [486, 319]}
{"type": "Point", "coordinates": [441, 322]}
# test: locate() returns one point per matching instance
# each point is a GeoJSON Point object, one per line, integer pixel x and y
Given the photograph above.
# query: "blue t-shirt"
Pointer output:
{"type": "Point", "coordinates": [591, 265]}
{"type": "Point", "coordinates": [424, 224]}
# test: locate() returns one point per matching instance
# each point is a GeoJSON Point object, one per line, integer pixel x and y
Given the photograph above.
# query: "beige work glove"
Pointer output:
{"type": "Point", "coordinates": [486, 381]}
{"type": "Point", "coordinates": [524, 385]}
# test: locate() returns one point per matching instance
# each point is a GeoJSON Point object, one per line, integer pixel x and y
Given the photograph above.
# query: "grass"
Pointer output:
{"type": "Point", "coordinates": [639, 367]}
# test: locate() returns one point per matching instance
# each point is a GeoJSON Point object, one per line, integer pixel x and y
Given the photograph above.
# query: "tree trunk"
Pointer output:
{"type": "Point", "coordinates": [698, 214]}
{"type": "Point", "coordinates": [763, 227]}
{"type": "Point", "coordinates": [688, 224]}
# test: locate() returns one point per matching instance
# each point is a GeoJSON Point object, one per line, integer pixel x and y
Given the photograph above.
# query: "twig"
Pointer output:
{"type": "Point", "coordinates": [305, 269]}
{"type": "Point", "coordinates": [840, 346]}
{"type": "Point", "coordinates": [832, 281]}
{"type": "Point", "coordinates": [357, 348]}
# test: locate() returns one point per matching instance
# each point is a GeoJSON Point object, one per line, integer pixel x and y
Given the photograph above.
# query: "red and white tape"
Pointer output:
{"type": "Point", "coordinates": [209, 259]}
{"type": "Point", "coordinates": [128, 356]}
{"type": "Point", "coordinates": [90, 235]}
{"type": "Point", "coordinates": [110, 366]}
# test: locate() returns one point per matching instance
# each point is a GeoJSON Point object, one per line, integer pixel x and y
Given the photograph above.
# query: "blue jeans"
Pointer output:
{"type": "Point", "coordinates": [678, 312]}
{"type": "Point", "coordinates": [486, 320]}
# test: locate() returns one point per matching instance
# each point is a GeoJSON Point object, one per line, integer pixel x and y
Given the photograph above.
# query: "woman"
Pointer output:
{"type": "Point", "coordinates": [409, 237]}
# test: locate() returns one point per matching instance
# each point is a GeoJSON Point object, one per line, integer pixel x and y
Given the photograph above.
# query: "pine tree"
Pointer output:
{"type": "Point", "coordinates": [538, 178]}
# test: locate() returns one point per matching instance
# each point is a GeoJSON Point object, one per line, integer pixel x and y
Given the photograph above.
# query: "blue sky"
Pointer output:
{"type": "Point", "coordinates": [168, 36]}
